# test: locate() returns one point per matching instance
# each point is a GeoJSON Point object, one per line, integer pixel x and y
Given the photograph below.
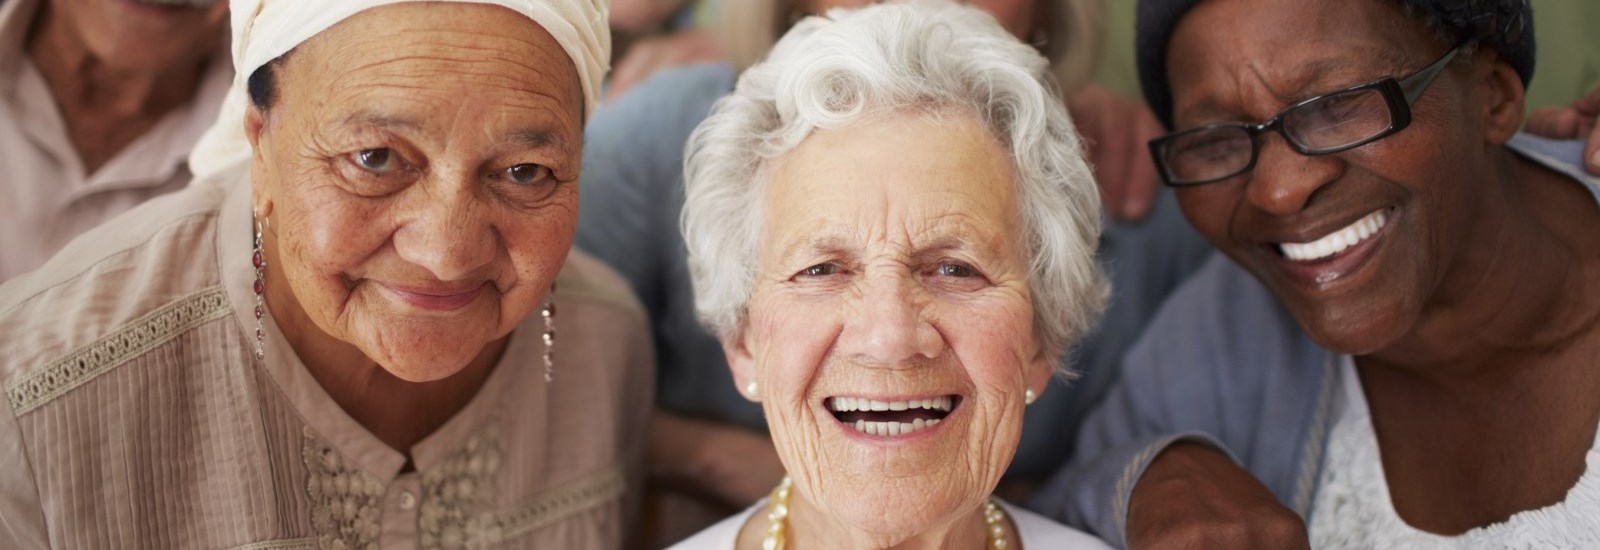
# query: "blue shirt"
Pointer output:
{"type": "Point", "coordinates": [1225, 364]}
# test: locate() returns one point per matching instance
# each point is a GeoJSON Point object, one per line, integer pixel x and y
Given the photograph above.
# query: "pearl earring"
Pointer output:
{"type": "Point", "coordinates": [1028, 397]}
{"type": "Point", "coordinates": [750, 389]}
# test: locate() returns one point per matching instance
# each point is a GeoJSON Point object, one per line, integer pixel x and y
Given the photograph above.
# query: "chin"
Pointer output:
{"type": "Point", "coordinates": [896, 508]}
{"type": "Point", "coordinates": [420, 362]}
{"type": "Point", "coordinates": [1357, 330]}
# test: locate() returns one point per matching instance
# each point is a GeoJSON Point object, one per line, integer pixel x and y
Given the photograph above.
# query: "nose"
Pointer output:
{"type": "Point", "coordinates": [887, 325]}
{"type": "Point", "coordinates": [1283, 180]}
{"type": "Point", "coordinates": [449, 232]}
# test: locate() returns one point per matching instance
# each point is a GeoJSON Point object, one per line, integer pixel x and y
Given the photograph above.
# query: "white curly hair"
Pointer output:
{"type": "Point", "coordinates": [887, 60]}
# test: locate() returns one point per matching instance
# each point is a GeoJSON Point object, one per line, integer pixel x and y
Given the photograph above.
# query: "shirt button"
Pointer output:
{"type": "Point", "coordinates": [407, 500]}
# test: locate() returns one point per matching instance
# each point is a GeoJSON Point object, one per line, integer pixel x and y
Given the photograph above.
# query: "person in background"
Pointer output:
{"type": "Point", "coordinates": [656, 35]}
{"type": "Point", "coordinates": [100, 103]}
{"type": "Point", "coordinates": [1396, 348]}
{"type": "Point", "coordinates": [708, 445]}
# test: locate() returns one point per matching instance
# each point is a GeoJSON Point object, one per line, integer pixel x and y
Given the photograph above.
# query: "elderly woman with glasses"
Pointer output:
{"type": "Point", "coordinates": [891, 227]}
{"type": "Point", "coordinates": [1398, 346]}
{"type": "Point", "coordinates": [361, 327]}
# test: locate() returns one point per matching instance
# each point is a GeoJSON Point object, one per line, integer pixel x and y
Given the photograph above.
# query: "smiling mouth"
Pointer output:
{"type": "Point", "coordinates": [437, 299]}
{"type": "Point", "coordinates": [892, 418]}
{"type": "Point", "coordinates": [1337, 241]}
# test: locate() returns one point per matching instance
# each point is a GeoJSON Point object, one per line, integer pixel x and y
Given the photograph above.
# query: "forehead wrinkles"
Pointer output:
{"type": "Point", "coordinates": [1251, 58]}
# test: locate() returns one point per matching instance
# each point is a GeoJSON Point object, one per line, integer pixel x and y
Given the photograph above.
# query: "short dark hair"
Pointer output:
{"type": "Point", "coordinates": [263, 84]}
{"type": "Point", "coordinates": [1505, 25]}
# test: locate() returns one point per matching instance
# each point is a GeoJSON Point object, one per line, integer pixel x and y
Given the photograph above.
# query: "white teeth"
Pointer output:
{"type": "Point", "coordinates": [847, 404]}
{"type": "Point", "coordinates": [1337, 241]}
{"type": "Point", "coordinates": [892, 429]}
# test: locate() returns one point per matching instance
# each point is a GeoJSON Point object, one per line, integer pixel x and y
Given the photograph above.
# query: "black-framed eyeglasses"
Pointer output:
{"type": "Point", "coordinates": [1323, 125]}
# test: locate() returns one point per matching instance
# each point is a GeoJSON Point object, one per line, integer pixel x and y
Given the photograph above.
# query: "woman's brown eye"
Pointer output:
{"type": "Point", "coordinates": [820, 270]}
{"type": "Point", "coordinates": [955, 270]}
{"type": "Point", "coordinates": [527, 173]}
{"type": "Point", "coordinates": [377, 161]}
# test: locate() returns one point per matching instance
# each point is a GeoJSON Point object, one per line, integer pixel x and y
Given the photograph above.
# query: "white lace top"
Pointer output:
{"type": "Point", "coordinates": [1353, 508]}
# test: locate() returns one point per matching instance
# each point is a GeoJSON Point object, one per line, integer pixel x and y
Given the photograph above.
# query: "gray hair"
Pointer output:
{"type": "Point", "coordinates": [879, 61]}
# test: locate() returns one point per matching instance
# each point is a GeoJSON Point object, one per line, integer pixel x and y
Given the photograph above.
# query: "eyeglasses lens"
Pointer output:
{"type": "Point", "coordinates": [1209, 153]}
{"type": "Point", "coordinates": [1338, 120]}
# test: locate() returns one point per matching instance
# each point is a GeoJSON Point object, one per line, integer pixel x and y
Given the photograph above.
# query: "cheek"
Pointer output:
{"type": "Point", "coordinates": [993, 340]}
{"type": "Point", "coordinates": [793, 336]}
{"type": "Point", "coordinates": [324, 239]}
{"type": "Point", "coordinates": [537, 243]}
{"type": "Point", "coordinates": [1210, 209]}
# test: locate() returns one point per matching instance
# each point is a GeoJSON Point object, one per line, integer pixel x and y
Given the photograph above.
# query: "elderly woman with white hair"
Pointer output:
{"type": "Point", "coordinates": [891, 228]}
{"type": "Point", "coordinates": [344, 334]}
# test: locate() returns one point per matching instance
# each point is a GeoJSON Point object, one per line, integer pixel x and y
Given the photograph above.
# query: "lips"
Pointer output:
{"type": "Point", "coordinates": [892, 418]}
{"type": "Point", "coordinates": [1336, 254]}
{"type": "Point", "coordinates": [436, 298]}
{"type": "Point", "coordinates": [1337, 241]}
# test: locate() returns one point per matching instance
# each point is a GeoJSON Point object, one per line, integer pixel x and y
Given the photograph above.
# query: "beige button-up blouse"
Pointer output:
{"type": "Point", "coordinates": [135, 416]}
{"type": "Point", "coordinates": [46, 195]}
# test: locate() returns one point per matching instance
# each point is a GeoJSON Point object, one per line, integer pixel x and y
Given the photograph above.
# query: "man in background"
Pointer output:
{"type": "Point", "coordinates": [100, 103]}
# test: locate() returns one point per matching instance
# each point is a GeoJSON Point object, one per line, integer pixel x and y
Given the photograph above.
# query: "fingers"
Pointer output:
{"type": "Point", "coordinates": [1591, 147]}
{"type": "Point", "coordinates": [1143, 181]}
{"type": "Point", "coordinates": [1554, 122]}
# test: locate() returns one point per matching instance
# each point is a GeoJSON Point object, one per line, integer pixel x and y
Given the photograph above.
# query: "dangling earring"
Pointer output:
{"type": "Point", "coordinates": [260, 261]}
{"type": "Point", "coordinates": [1028, 397]}
{"type": "Point", "coordinates": [549, 314]}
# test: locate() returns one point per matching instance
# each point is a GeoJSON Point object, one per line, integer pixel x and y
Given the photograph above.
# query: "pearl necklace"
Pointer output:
{"type": "Point", "coordinates": [778, 521]}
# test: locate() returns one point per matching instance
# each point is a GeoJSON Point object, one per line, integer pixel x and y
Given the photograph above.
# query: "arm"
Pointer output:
{"type": "Point", "coordinates": [1221, 370]}
{"type": "Point", "coordinates": [724, 461]}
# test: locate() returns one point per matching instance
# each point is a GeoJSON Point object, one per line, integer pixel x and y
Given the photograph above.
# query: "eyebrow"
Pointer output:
{"type": "Point", "coordinates": [531, 137]}
{"type": "Point", "coordinates": [538, 137]}
{"type": "Point", "coordinates": [936, 247]}
{"type": "Point", "coordinates": [387, 122]}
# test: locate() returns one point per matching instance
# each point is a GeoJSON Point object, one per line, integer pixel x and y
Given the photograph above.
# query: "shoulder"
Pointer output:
{"type": "Point", "coordinates": [1038, 532]}
{"type": "Point", "coordinates": [115, 292]}
{"type": "Point", "coordinates": [1564, 156]}
{"type": "Point", "coordinates": [585, 282]}
{"type": "Point", "coordinates": [1222, 314]}
{"type": "Point", "coordinates": [670, 103]}
{"type": "Point", "coordinates": [722, 536]}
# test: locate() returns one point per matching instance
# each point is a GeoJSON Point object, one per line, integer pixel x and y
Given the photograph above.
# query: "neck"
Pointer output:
{"type": "Point", "coordinates": [810, 528]}
{"type": "Point", "coordinates": [398, 412]}
{"type": "Point", "coordinates": [1517, 288]}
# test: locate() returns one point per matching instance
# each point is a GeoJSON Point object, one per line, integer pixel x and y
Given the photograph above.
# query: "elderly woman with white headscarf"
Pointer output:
{"type": "Point", "coordinates": [361, 327]}
{"type": "Point", "coordinates": [892, 229]}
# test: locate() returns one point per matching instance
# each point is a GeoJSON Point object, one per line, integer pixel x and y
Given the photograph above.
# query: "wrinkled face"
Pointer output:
{"type": "Point", "coordinates": [1384, 221]}
{"type": "Point", "coordinates": [1017, 16]}
{"type": "Point", "coordinates": [420, 169]}
{"type": "Point", "coordinates": [146, 34]}
{"type": "Point", "coordinates": [892, 276]}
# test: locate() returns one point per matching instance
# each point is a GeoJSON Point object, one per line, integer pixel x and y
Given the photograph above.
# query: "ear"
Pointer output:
{"type": "Point", "coordinates": [1503, 98]}
{"type": "Point", "coordinates": [742, 363]}
{"type": "Point", "coordinates": [255, 123]}
{"type": "Point", "coordinates": [1041, 369]}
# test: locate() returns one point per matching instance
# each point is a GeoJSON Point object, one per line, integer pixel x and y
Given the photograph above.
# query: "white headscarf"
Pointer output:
{"type": "Point", "coordinates": [263, 30]}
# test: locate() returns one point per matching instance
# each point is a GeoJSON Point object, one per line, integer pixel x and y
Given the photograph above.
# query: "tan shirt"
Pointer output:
{"type": "Point", "coordinates": [135, 416]}
{"type": "Point", "coordinates": [46, 199]}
